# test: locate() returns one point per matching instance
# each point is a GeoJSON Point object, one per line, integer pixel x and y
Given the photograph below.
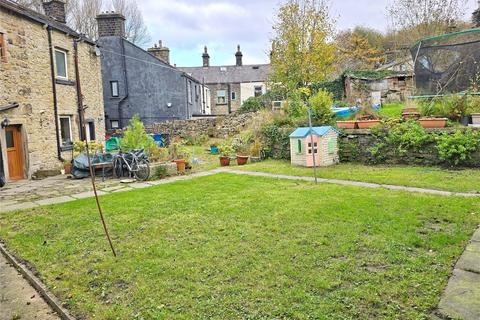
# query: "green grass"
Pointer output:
{"type": "Point", "coordinates": [466, 180]}
{"type": "Point", "coordinates": [392, 110]}
{"type": "Point", "coordinates": [240, 247]}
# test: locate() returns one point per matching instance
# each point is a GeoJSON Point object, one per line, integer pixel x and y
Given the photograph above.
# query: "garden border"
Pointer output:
{"type": "Point", "coordinates": [37, 284]}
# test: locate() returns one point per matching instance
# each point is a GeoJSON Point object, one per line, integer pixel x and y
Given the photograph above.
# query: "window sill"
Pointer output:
{"type": "Point", "coordinates": [66, 148]}
{"type": "Point", "coordinates": [64, 82]}
{"type": "Point", "coordinates": [222, 104]}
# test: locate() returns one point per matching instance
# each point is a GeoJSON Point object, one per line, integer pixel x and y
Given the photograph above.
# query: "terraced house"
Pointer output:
{"type": "Point", "coordinates": [45, 67]}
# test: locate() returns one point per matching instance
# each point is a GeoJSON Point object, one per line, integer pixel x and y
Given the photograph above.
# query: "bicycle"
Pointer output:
{"type": "Point", "coordinates": [134, 162]}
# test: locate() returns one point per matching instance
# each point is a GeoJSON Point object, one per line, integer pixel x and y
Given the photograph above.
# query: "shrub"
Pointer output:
{"type": "Point", "coordinates": [321, 104]}
{"type": "Point", "coordinates": [407, 136]}
{"type": "Point", "coordinates": [452, 107]}
{"type": "Point", "coordinates": [457, 148]}
{"type": "Point", "coordinates": [135, 137]}
{"type": "Point", "coordinates": [160, 172]}
{"type": "Point", "coordinates": [276, 141]}
{"type": "Point", "coordinates": [252, 104]}
{"type": "Point", "coordinates": [80, 147]}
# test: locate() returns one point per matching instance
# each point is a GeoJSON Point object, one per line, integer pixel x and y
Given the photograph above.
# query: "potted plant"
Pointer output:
{"type": "Point", "coordinates": [225, 151]}
{"type": "Point", "coordinates": [367, 118]}
{"type": "Point", "coordinates": [433, 122]}
{"type": "Point", "coordinates": [67, 166]}
{"type": "Point", "coordinates": [255, 149]}
{"type": "Point", "coordinates": [179, 154]}
{"type": "Point", "coordinates": [347, 124]}
{"type": "Point", "coordinates": [476, 118]}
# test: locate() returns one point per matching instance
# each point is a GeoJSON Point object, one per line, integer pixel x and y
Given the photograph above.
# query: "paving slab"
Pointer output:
{"type": "Point", "coordinates": [123, 189]}
{"type": "Point", "coordinates": [48, 201]}
{"type": "Point", "coordinates": [18, 300]}
{"type": "Point", "coordinates": [474, 246]}
{"type": "Point", "coordinates": [140, 185]}
{"type": "Point", "coordinates": [461, 297]}
{"type": "Point", "coordinates": [88, 194]}
{"type": "Point", "coordinates": [469, 261]}
{"type": "Point", "coordinates": [110, 189]}
{"type": "Point", "coordinates": [19, 206]}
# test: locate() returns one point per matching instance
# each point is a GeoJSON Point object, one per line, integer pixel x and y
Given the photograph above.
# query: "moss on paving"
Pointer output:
{"type": "Point", "coordinates": [466, 180]}
{"type": "Point", "coordinates": [239, 247]}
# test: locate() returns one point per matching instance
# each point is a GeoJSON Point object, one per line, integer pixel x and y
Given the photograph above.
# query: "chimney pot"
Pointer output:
{"type": "Point", "coordinates": [239, 56]}
{"type": "Point", "coordinates": [206, 57]}
{"type": "Point", "coordinates": [55, 9]}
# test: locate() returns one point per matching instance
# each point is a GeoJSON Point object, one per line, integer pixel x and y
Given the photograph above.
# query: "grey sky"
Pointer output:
{"type": "Point", "coordinates": [185, 26]}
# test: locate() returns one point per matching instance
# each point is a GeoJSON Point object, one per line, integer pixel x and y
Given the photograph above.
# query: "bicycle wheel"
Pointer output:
{"type": "Point", "coordinates": [141, 169]}
{"type": "Point", "coordinates": [118, 167]}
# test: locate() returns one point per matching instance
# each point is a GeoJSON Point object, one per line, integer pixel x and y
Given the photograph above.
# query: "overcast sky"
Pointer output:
{"type": "Point", "coordinates": [185, 26]}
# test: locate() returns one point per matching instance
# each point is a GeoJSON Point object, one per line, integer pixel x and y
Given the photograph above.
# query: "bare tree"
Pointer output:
{"type": "Point", "coordinates": [82, 15]}
{"type": "Point", "coordinates": [135, 29]}
{"type": "Point", "coordinates": [424, 18]}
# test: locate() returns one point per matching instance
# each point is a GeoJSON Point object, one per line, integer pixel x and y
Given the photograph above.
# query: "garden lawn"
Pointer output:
{"type": "Point", "coordinates": [240, 247]}
{"type": "Point", "coordinates": [467, 180]}
{"type": "Point", "coordinates": [391, 110]}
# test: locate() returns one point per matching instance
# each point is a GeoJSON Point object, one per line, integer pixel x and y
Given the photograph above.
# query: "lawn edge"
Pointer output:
{"type": "Point", "coordinates": [37, 284]}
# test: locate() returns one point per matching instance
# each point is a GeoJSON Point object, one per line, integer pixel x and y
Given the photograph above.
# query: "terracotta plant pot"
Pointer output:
{"type": "Point", "coordinates": [346, 124]}
{"type": "Point", "coordinates": [367, 124]}
{"type": "Point", "coordinates": [409, 110]}
{"type": "Point", "coordinates": [68, 168]}
{"type": "Point", "coordinates": [241, 160]}
{"type": "Point", "coordinates": [433, 122]}
{"type": "Point", "coordinates": [476, 118]}
{"type": "Point", "coordinates": [180, 165]}
{"type": "Point", "coordinates": [224, 161]}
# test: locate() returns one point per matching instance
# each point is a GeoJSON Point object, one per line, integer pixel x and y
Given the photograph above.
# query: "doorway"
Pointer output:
{"type": "Point", "coordinates": [13, 135]}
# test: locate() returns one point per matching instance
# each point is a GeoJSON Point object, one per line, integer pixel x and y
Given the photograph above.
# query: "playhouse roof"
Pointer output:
{"type": "Point", "coordinates": [302, 132]}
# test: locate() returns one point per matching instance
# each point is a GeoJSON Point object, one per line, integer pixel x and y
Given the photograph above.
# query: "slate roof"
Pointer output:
{"type": "Point", "coordinates": [229, 74]}
{"type": "Point", "coordinates": [302, 132]}
{"type": "Point", "coordinates": [41, 18]}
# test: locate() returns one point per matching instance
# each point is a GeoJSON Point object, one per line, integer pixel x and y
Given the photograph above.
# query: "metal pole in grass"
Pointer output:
{"type": "Point", "coordinates": [81, 110]}
{"type": "Point", "coordinates": [311, 141]}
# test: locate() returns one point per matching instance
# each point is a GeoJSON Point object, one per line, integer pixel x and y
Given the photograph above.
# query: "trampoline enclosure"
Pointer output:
{"type": "Point", "coordinates": [448, 64]}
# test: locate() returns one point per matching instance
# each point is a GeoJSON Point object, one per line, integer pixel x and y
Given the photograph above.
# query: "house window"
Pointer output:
{"type": "Point", "coordinates": [114, 124]}
{"type": "Point", "coordinates": [114, 88]}
{"type": "Point", "coordinates": [258, 91]}
{"type": "Point", "coordinates": [221, 98]}
{"type": "Point", "coordinates": [234, 95]}
{"type": "Point", "coordinates": [299, 146]}
{"type": "Point", "coordinates": [66, 130]}
{"type": "Point", "coordinates": [61, 63]}
{"type": "Point", "coordinates": [189, 91]}
{"type": "Point", "coordinates": [90, 130]}
{"type": "Point", "coordinates": [197, 93]}
{"type": "Point", "coordinates": [3, 48]}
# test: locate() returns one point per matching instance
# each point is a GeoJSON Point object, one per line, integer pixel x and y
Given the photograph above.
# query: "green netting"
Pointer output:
{"type": "Point", "coordinates": [447, 64]}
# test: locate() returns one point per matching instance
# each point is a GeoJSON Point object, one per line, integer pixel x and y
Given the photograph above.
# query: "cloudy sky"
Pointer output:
{"type": "Point", "coordinates": [185, 26]}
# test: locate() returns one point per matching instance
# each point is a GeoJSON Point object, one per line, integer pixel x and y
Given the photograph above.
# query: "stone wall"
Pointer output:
{"type": "Point", "coordinates": [26, 79]}
{"type": "Point", "coordinates": [218, 126]}
{"type": "Point", "coordinates": [355, 146]}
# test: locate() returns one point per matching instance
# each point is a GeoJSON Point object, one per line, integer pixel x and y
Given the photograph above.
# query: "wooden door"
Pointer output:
{"type": "Point", "coordinates": [13, 136]}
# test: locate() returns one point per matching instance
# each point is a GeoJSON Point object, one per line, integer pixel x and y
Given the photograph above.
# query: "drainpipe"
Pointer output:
{"type": "Point", "coordinates": [229, 102]}
{"type": "Point", "coordinates": [125, 80]}
{"type": "Point", "coordinates": [79, 92]}
{"type": "Point", "coordinates": [54, 91]}
{"type": "Point", "coordinates": [186, 90]}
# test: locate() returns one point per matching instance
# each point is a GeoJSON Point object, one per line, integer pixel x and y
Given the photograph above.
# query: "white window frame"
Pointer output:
{"type": "Point", "coordinates": [66, 64]}
{"type": "Point", "coordinates": [117, 126]}
{"type": "Point", "coordinates": [189, 92]}
{"type": "Point", "coordinates": [224, 96]}
{"type": "Point", "coordinates": [69, 127]}
{"type": "Point", "coordinates": [112, 91]}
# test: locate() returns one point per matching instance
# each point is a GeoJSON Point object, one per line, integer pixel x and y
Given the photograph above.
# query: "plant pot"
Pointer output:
{"type": "Point", "coordinates": [475, 118]}
{"type": "Point", "coordinates": [367, 124]}
{"type": "Point", "coordinates": [242, 160]}
{"type": "Point", "coordinates": [466, 120]}
{"type": "Point", "coordinates": [68, 168]}
{"type": "Point", "coordinates": [409, 110]}
{"type": "Point", "coordinates": [213, 149]}
{"type": "Point", "coordinates": [180, 165]}
{"type": "Point", "coordinates": [433, 122]}
{"type": "Point", "coordinates": [224, 161]}
{"type": "Point", "coordinates": [346, 124]}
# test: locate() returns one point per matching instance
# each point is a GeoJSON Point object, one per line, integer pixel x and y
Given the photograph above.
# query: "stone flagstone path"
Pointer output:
{"type": "Point", "coordinates": [461, 298]}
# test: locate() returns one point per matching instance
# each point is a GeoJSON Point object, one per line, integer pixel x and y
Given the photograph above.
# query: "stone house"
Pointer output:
{"type": "Point", "coordinates": [39, 89]}
{"type": "Point", "coordinates": [230, 85]}
{"type": "Point", "coordinates": [142, 82]}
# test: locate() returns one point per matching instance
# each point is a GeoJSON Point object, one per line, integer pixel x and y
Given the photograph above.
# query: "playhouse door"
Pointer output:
{"type": "Point", "coordinates": [315, 149]}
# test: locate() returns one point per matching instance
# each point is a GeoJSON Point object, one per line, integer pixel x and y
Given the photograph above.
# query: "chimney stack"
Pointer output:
{"type": "Point", "coordinates": [206, 58]}
{"type": "Point", "coordinates": [239, 56]}
{"type": "Point", "coordinates": [161, 52]}
{"type": "Point", "coordinates": [111, 24]}
{"type": "Point", "coordinates": [55, 9]}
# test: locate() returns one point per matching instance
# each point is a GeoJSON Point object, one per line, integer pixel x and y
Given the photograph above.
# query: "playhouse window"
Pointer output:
{"type": "Point", "coordinates": [314, 147]}
{"type": "Point", "coordinates": [331, 146]}
{"type": "Point", "coordinates": [299, 146]}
